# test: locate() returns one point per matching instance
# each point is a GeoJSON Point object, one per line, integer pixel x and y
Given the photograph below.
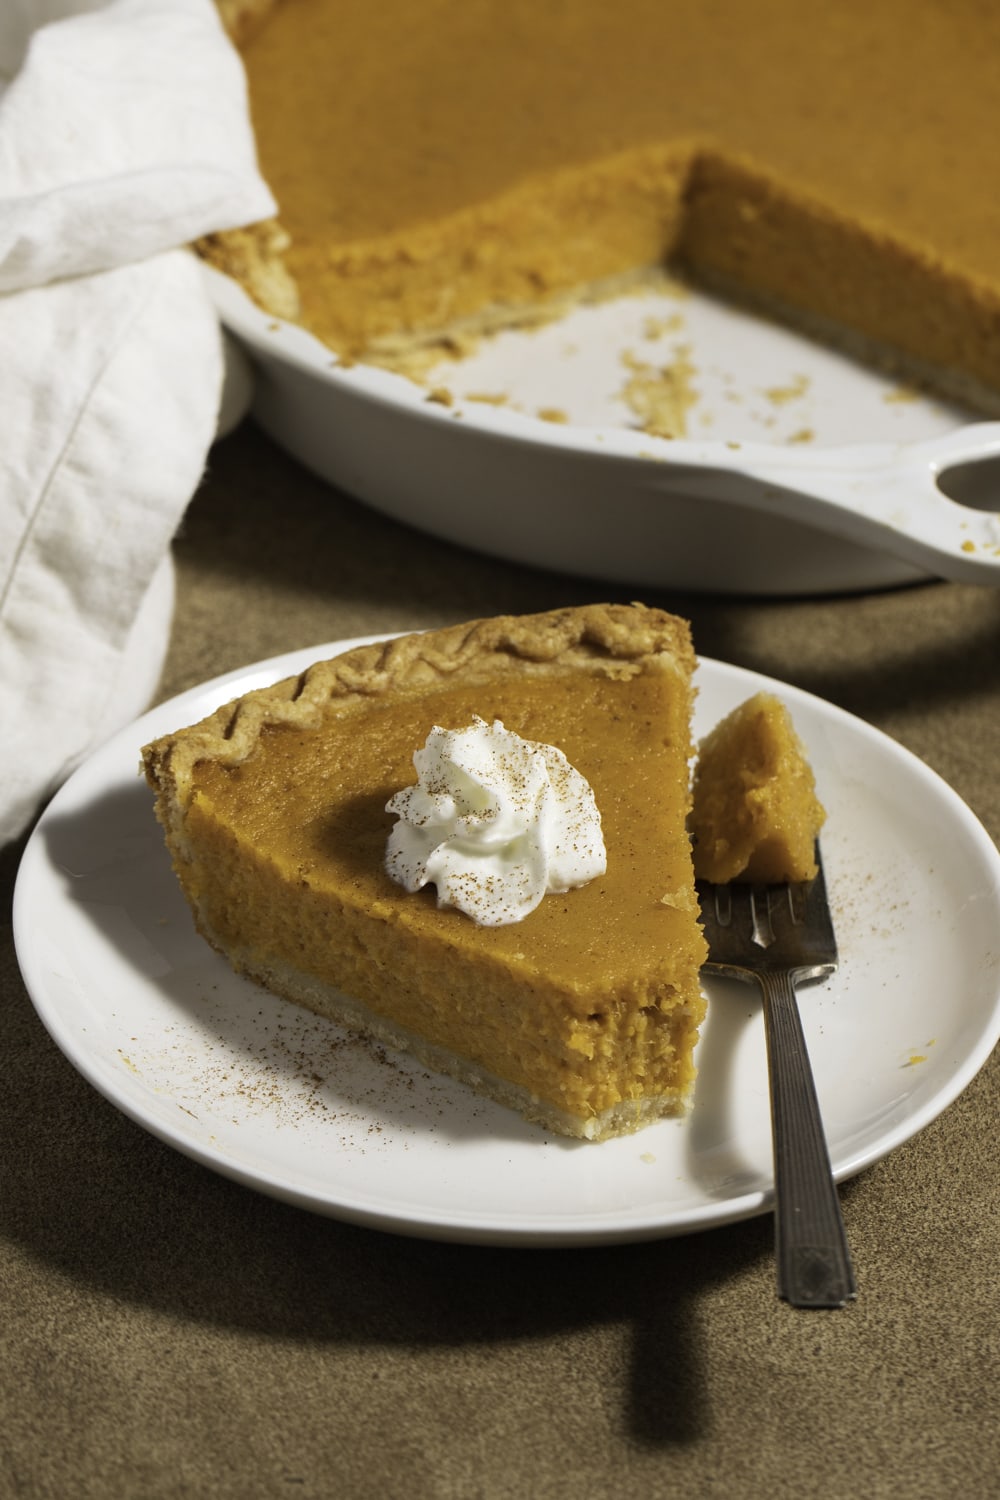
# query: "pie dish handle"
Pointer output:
{"type": "Point", "coordinates": [934, 503]}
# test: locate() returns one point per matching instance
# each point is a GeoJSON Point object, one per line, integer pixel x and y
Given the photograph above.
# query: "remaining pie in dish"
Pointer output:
{"type": "Point", "coordinates": [443, 167]}
{"type": "Point", "coordinates": [755, 813]}
{"type": "Point", "coordinates": [584, 1014]}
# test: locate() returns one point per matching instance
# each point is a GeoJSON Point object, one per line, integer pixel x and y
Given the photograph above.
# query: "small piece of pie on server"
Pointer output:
{"type": "Point", "coordinates": [567, 987]}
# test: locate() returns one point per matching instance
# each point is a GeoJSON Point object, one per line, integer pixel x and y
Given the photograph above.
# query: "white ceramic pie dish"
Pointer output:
{"type": "Point", "coordinates": [721, 513]}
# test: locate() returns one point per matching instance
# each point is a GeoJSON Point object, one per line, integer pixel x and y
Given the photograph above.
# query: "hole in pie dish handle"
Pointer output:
{"type": "Point", "coordinates": [974, 483]}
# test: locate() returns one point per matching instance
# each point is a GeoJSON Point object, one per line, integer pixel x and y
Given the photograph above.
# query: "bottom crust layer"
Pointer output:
{"type": "Point", "coordinates": [324, 1000]}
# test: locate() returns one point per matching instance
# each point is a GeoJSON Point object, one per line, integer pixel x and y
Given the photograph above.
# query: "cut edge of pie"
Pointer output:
{"type": "Point", "coordinates": [655, 1025]}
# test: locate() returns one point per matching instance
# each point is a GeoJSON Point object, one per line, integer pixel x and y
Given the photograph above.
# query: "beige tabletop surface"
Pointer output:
{"type": "Point", "coordinates": [167, 1332]}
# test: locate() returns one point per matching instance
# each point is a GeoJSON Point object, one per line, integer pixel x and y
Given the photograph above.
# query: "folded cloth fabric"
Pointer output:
{"type": "Point", "coordinates": [124, 135]}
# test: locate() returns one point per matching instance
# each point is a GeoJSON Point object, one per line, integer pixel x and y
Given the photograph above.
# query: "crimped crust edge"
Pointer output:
{"type": "Point", "coordinates": [617, 639]}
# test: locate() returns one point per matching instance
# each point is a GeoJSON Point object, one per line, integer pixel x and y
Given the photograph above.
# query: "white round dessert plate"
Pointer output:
{"type": "Point", "coordinates": [801, 471]}
{"type": "Point", "coordinates": [289, 1104]}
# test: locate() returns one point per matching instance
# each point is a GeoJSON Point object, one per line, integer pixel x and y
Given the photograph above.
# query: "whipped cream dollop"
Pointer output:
{"type": "Point", "coordinates": [494, 822]}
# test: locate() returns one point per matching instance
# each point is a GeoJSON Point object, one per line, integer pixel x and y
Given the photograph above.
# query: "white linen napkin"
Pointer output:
{"type": "Point", "coordinates": [124, 135]}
